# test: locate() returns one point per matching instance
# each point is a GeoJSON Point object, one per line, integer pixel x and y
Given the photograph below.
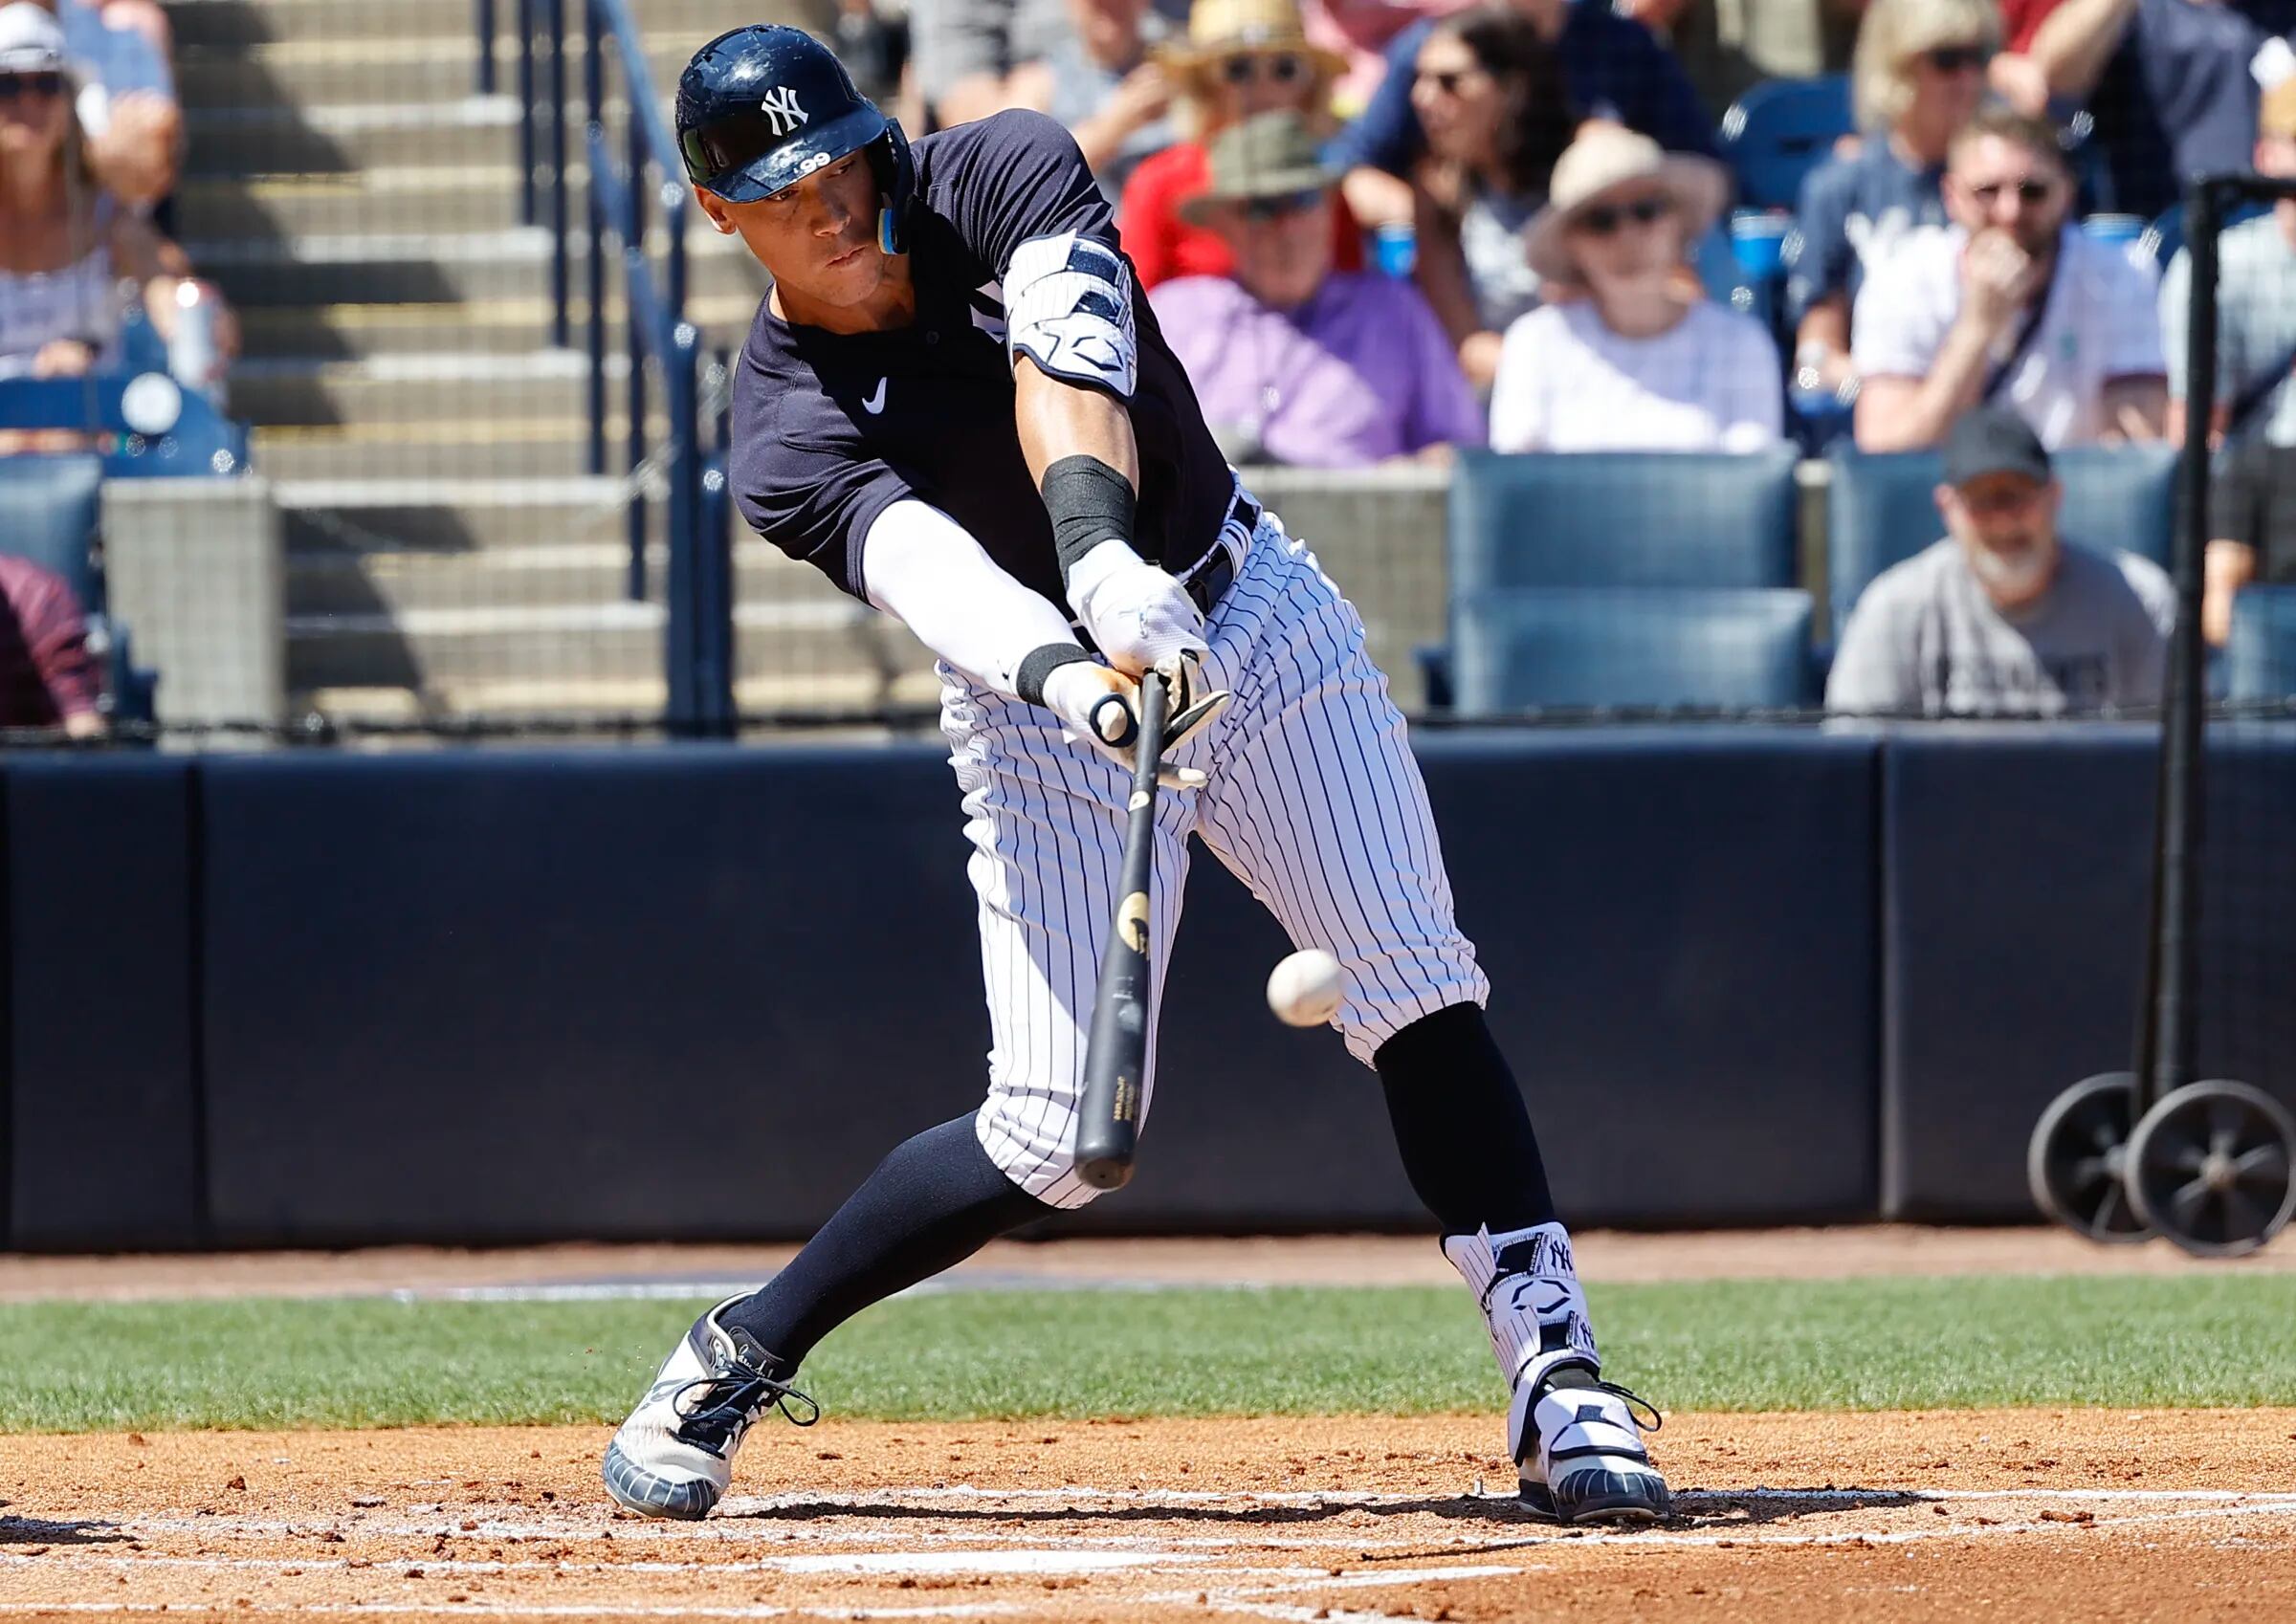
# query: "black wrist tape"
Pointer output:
{"type": "Point", "coordinates": [1041, 662]}
{"type": "Point", "coordinates": [1090, 502]}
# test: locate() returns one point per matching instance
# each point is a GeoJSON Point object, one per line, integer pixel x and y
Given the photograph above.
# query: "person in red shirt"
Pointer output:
{"type": "Point", "coordinates": [1242, 57]}
{"type": "Point", "coordinates": [47, 676]}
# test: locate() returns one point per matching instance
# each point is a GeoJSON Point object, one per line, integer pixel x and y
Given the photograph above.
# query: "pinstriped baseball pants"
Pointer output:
{"type": "Point", "coordinates": [1314, 802]}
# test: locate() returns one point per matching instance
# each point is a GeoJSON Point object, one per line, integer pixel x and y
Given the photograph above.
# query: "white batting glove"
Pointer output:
{"type": "Point", "coordinates": [1102, 706]}
{"type": "Point", "coordinates": [1140, 616]}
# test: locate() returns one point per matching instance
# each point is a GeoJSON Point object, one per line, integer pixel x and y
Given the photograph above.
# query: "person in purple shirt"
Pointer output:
{"type": "Point", "coordinates": [1615, 69]}
{"type": "Point", "coordinates": [1294, 361]}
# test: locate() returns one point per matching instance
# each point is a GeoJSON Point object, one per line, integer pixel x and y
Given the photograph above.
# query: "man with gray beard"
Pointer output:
{"type": "Point", "coordinates": [2003, 618]}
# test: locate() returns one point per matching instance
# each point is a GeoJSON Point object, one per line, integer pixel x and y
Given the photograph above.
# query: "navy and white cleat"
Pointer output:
{"type": "Point", "coordinates": [1587, 1463]}
{"type": "Point", "coordinates": [674, 1456]}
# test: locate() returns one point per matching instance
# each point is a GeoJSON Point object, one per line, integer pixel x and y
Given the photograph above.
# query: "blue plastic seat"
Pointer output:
{"type": "Point", "coordinates": [1626, 518]}
{"type": "Point", "coordinates": [202, 441]}
{"type": "Point", "coordinates": [2261, 658]}
{"type": "Point", "coordinates": [1777, 132]}
{"type": "Point", "coordinates": [1579, 649]}
{"type": "Point", "coordinates": [50, 513]}
{"type": "Point", "coordinates": [1881, 510]}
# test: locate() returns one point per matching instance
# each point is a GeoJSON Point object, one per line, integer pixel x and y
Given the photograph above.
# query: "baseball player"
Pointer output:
{"type": "Point", "coordinates": [957, 406]}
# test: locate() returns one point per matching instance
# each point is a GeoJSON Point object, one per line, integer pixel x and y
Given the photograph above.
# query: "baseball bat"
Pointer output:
{"type": "Point", "coordinates": [1116, 1050]}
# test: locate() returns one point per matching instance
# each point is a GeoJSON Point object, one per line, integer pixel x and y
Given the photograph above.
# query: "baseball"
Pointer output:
{"type": "Point", "coordinates": [1305, 989]}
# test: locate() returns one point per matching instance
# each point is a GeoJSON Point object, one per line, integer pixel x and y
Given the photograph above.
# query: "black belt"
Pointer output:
{"type": "Point", "coordinates": [1208, 580]}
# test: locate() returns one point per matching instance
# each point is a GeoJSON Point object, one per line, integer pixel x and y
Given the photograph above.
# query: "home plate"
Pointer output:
{"type": "Point", "coordinates": [981, 1562]}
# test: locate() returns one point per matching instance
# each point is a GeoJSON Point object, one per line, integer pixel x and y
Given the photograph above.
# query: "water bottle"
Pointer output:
{"type": "Point", "coordinates": [1395, 249]}
{"type": "Point", "coordinates": [193, 357]}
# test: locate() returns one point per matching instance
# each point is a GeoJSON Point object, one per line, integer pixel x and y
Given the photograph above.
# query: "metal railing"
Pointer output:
{"type": "Point", "coordinates": [698, 640]}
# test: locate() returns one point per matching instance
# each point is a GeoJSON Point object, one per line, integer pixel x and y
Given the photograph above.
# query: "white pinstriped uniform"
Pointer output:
{"type": "Point", "coordinates": [1315, 801]}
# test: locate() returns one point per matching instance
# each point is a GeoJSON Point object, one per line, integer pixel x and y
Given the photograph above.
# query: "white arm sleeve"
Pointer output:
{"type": "Point", "coordinates": [923, 569]}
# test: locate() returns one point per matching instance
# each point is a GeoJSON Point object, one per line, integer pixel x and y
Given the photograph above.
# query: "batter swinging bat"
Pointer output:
{"type": "Point", "coordinates": [1115, 1051]}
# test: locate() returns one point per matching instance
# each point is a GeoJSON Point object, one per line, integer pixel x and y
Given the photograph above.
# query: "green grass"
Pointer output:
{"type": "Point", "coordinates": [2189, 1340]}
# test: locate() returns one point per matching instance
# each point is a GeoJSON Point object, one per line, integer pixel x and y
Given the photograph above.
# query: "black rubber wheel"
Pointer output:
{"type": "Point", "coordinates": [2213, 1167]}
{"type": "Point", "coordinates": [2073, 1160]}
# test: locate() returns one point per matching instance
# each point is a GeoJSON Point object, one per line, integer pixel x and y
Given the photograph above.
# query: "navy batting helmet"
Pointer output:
{"type": "Point", "coordinates": [763, 107]}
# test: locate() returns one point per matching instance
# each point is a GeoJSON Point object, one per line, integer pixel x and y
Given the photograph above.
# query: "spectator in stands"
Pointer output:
{"type": "Point", "coordinates": [1109, 92]}
{"type": "Point", "coordinates": [1612, 68]}
{"type": "Point", "coordinates": [1920, 77]}
{"type": "Point", "coordinates": [47, 677]}
{"type": "Point", "coordinates": [66, 246]}
{"type": "Point", "coordinates": [2170, 83]}
{"type": "Point", "coordinates": [2253, 514]}
{"type": "Point", "coordinates": [125, 100]}
{"type": "Point", "coordinates": [1727, 47]}
{"type": "Point", "coordinates": [974, 57]}
{"type": "Point", "coordinates": [2004, 617]}
{"type": "Point", "coordinates": [1241, 57]}
{"type": "Point", "coordinates": [1628, 354]}
{"type": "Point", "coordinates": [1490, 95]}
{"type": "Point", "coordinates": [2011, 304]}
{"type": "Point", "coordinates": [1292, 361]}
{"type": "Point", "coordinates": [1361, 32]}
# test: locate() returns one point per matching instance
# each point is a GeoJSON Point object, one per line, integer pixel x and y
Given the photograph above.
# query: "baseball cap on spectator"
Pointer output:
{"type": "Point", "coordinates": [1269, 155]}
{"type": "Point", "coordinates": [31, 40]}
{"type": "Point", "coordinates": [1994, 440]}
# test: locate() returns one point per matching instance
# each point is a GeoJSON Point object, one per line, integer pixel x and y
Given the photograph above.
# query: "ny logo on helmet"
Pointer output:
{"type": "Point", "coordinates": [781, 106]}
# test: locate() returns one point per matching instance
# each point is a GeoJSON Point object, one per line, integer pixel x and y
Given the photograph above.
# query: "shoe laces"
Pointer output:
{"type": "Point", "coordinates": [1637, 1406]}
{"type": "Point", "coordinates": [733, 1397]}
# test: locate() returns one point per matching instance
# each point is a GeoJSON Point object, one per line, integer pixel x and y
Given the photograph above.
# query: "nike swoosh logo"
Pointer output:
{"type": "Point", "coordinates": [876, 402]}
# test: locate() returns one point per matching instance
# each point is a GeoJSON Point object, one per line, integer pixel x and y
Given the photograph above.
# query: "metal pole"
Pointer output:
{"type": "Point", "coordinates": [633, 252]}
{"type": "Point", "coordinates": [486, 46]}
{"type": "Point", "coordinates": [597, 158]}
{"type": "Point", "coordinates": [526, 195]}
{"type": "Point", "coordinates": [681, 649]}
{"type": "Point", "coordinates": [555, 10]}
{"type": "Point", "coordinates": [2167, 1054]}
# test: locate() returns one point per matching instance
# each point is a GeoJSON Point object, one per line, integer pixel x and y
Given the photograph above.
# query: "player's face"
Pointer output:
{"type": "Point", "coordinates": [2007, 186]}
{"type": "Point", "coordinates": [2006, 524]}
{"type": "Point", "coordinates": [1283, 246]}
{"type": "Point", "coordinates": [818, 237]}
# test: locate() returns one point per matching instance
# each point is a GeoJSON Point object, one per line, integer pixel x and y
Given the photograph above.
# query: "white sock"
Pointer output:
{"type": "Point", "coordinates": [1527, 1286]}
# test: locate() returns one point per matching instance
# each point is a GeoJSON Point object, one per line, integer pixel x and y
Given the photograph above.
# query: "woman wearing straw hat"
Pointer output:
{"type": "Point", "coordinates": [1240, 58]}
{"type": "Point", "coordinates": [1627, 354]}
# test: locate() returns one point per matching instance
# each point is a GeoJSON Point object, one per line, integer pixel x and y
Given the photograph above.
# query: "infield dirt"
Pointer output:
{"type": "Point", "coordinates": [2024, 1514]}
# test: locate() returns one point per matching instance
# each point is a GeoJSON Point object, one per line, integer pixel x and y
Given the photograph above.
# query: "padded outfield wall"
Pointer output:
{"type": "Point", "coordinates": [1746, 975]}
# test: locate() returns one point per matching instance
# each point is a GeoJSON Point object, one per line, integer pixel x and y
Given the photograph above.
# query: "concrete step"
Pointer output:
{"type": "Point", "coordinates": [545, 574]}
{"type": "Point", "coordinates": [431, 269]}
{"type": "Point", "coordinates": [251, 22]}
{"type": "Point", "coordinates": [408, 199]}
{"type": "Point", "coordinates": [415, 388]}
{"type": "Point", "coordinates": [446, 449]}
{"type": "Point", "coordinates": [285, 141]}
{"type": "Point", "coordinates": [327, 73]}
{"type": "Point", "coordinates": [794, 643]}
{"type": "Point", "coordinates": [350, 332]}
{"type": "Point", "coordinates": [354, 517]}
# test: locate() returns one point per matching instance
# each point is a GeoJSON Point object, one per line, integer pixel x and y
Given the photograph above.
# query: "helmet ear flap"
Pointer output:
{"type": "Point", "coordinates": [895, 166]}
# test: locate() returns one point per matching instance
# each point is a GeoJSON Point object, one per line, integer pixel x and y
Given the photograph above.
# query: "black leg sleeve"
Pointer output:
{"type": "Point", "coordinates": [1460, 1125]}
{"type": "Point", "coordinates": [932, 1202]}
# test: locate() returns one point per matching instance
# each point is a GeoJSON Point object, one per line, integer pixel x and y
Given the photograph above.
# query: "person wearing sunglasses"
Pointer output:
{"type": "Point", "coordinates": [2010, 304]}
{"type": "Point", "coordinates": [1627, 353]}
{"type": "Point", "coordinates": [1240, 58]}
{"type": "Point", "coordinates": [124, 96]}
{"type": "Point", "coordinates": [1292, 361]}
{"type": "Point", "coordinates": [66, 246]}
{"type": "Point", "coordinates": [1490, 95]}
{"type": "Point", "coordinates": [1919, 76]}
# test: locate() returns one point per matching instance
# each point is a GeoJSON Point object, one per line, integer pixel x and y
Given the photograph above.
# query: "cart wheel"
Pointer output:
{"type": "Point", "coordinates": [2210, 1167]}
{"type": "Point", "coordinates": [2073, 1160]}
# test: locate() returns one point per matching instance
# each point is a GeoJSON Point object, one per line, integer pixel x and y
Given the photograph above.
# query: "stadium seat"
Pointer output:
{"type": "Point", "coordinates": [1777, 132]}
{"type": "Point", "coordinates": [201, 441]}
{"type": "Point", "coordinates": [1630, 648]}
{"type": "Point", "coordinates": [1880, 511]}
{"type": "Point", "coordinates": [50, 513]}
{"type": "Point", "coordinates": [1637, 520]}
{"type": "Point", "coordinates": [2262, 656]}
